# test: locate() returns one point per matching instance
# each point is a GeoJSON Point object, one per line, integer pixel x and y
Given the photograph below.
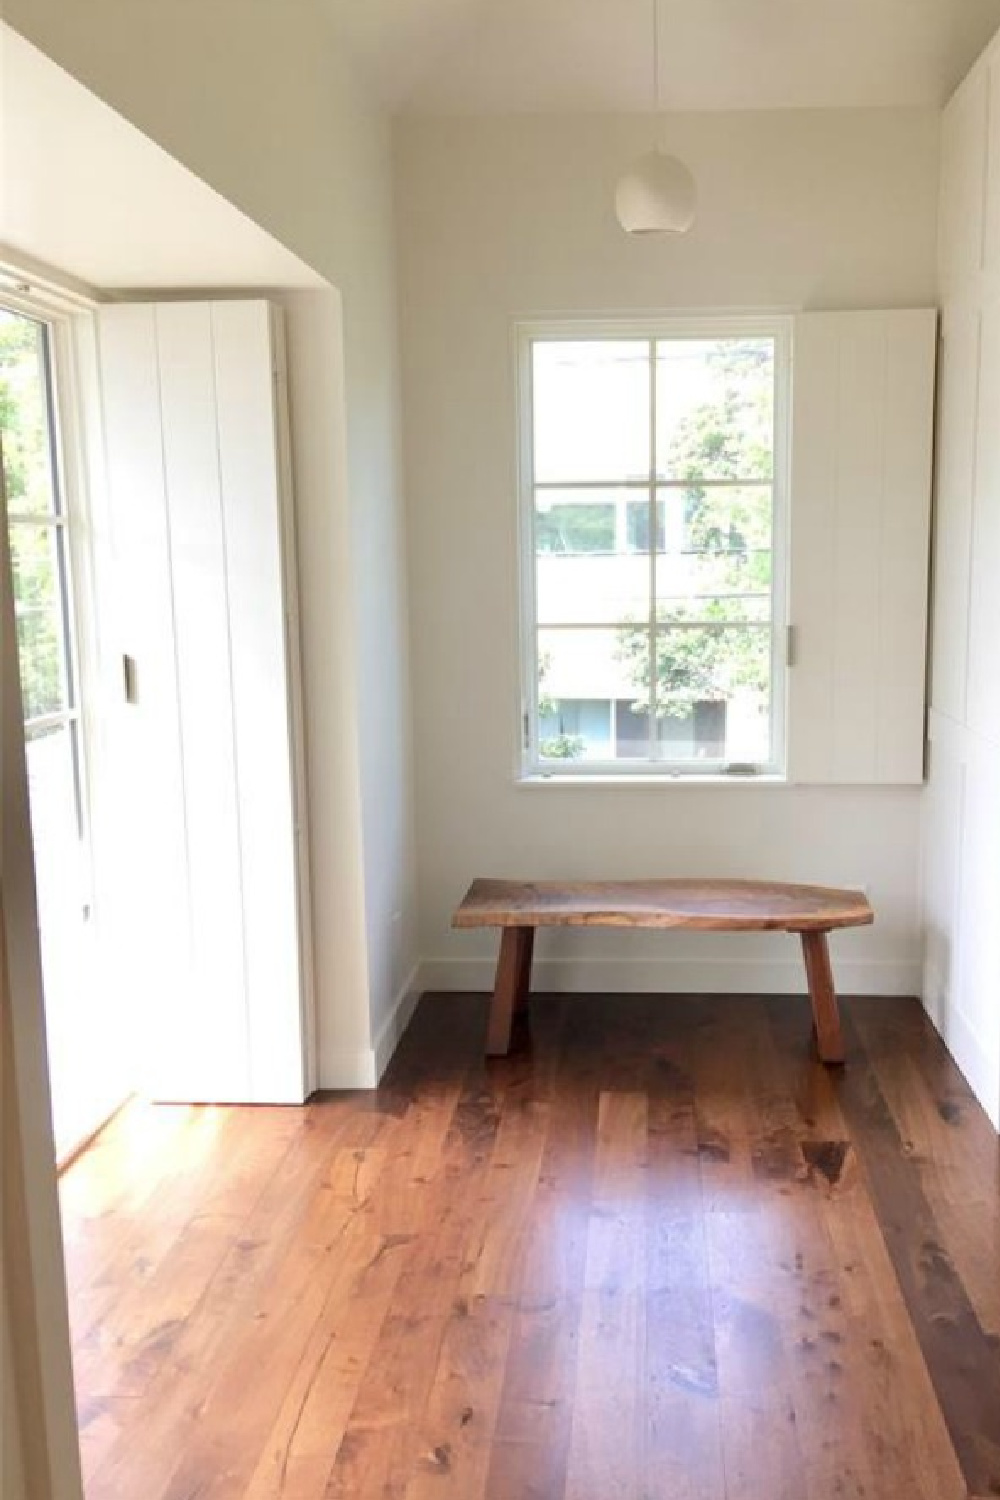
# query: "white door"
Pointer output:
{"type": "Point", "coordinates": [204, 561]}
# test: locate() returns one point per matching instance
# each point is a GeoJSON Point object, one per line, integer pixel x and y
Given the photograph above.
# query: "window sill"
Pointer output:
{"type": "Point", "coordinates": [533, 780]}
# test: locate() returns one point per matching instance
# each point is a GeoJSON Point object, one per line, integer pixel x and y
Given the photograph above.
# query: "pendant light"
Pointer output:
{"type": "Point", "coordinates": [658, 194]}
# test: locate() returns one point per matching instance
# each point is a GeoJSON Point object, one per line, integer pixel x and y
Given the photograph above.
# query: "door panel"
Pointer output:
{"type": "Point", "coordinates": [207, 624]}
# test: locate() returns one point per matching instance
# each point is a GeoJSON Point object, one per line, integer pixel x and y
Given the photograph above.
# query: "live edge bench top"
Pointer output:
{"type": "Point", "coordinates": [519, 906]}
{"type": "Point", "coordinates": [706, 905]}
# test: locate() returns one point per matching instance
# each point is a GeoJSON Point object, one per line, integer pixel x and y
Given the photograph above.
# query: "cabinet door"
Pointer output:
{"type": "Point", "coordinates": [209, 804]}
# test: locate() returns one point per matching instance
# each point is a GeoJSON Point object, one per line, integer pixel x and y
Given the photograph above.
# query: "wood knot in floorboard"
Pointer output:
{"type": "Point", "coordinates": [828, 1159]}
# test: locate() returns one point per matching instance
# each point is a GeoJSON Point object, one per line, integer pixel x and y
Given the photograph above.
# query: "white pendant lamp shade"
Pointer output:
{"type": "Point", "coordinates": [656, 196]}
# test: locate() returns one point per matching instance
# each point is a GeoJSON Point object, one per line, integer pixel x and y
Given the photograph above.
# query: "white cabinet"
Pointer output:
{"type": "Point", "coordinates": [961, 864]}
{"type": "Point", "coordinates": [216, 909]}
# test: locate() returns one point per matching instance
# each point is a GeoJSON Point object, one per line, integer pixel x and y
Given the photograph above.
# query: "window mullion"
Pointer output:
{"type": "Point", "coordinates": [61, 719]}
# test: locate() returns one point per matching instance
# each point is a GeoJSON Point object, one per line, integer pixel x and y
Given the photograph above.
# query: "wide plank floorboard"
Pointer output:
{"type": "Point", "coordinates": [657, 1253]}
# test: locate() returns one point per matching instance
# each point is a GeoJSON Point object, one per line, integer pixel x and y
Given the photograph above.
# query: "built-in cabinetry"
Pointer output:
{"type": "Point", "coordinates": [961, 844]}
{"type": "Point", "coordinates": [215, 909]}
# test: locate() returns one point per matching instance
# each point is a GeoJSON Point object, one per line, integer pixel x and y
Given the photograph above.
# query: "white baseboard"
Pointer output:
{"type": "Point", "coordinates": [396, 1022]}
{"type": "Point", "coordinates": [679, 976]}
{"type": "Point", "coordinates": [362, 1068]}
{"type": "Point", "coordinates": [980, 1070]}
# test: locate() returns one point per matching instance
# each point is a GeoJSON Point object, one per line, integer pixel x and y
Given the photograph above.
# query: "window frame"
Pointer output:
{"type": "Point", "coordinates": [60, 312]}
{"type": "Point", "coordinates": [695, 326]}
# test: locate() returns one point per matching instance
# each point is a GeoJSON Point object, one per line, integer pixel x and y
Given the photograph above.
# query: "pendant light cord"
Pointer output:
{"type": "Point", "coordinates": [658, 125]}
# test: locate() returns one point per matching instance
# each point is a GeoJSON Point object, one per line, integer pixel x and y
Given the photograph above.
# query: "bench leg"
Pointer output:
{"type": "Point", "coordinates": [826, 1016]}
{"type": "Point", "coordinates": [510, 990]}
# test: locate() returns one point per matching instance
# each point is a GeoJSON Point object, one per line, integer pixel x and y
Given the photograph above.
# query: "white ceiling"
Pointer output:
{"type": "Point", "coordinates": [497, 56]}
{"type": "Point", "coordinates": [85, 191]}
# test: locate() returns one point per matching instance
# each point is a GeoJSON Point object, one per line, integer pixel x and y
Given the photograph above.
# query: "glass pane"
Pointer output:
{"type": "Point", "coordinates": [718, 541]}
{"type": "Point", "coordinates": [38, 606]}
{"type": "Point", "coordinates": [53, 792]}
{"type": "Point", "coordinates": [580, 674]}
{"type": "Point", "coordinates": [632, 729]}
{"type": "Point", "coordinates": [713, 688]}
{"type": "Point", "coordinates": [60, 869]}
{"type": "Point", "coordinates": [715, 408]}
{"type": "Point", "coordinates": [575, 729]}
{"type": "Point", "coordinates": [637, 526]}
{"type": "Point", "coordinates": [63, 887]}
{"type": "Point", "coordinates": [591, 410]}
{"type": "Point", "coordinates": [699, 733]}
{"type": "Point", "coordinates": [24, 417]}
{"type": "Point", "coordinates": [574, 521]}
{"type": "Point", "coordinates": [583, 573]}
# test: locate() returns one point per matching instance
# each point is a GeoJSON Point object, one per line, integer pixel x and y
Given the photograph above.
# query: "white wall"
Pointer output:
{"type": "Point", "coordinates": [260, 103]}
{"type": "Point", "coordinates": [500, 219]}
{"type": "Point", "coordinates": [961, 857]}
{"type": "Point", "coordinates": [126, 212]}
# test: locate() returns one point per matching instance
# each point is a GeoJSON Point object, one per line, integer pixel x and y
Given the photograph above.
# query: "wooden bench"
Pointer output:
{"type": "Point", "coordinates": [518, 907]}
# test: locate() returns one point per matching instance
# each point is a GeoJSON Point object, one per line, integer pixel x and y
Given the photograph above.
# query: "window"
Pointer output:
{"type": "Point", "coordinates": [41, 575]}
{"type": "Point", "coordinates": [653, 589]}
{"type": "Point", "coordinates": [43, 535]}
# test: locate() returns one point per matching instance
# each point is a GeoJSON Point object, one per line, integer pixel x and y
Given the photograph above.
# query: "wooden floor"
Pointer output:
{"type": "Point", "coordinates": [660, 1255]}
